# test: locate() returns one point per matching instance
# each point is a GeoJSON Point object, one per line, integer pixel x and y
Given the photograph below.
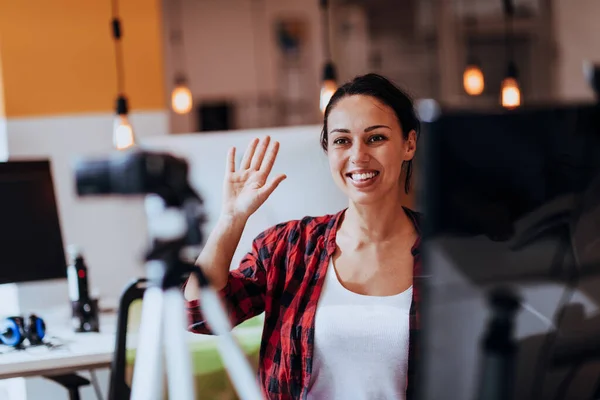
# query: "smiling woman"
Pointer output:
{"type": "Point", "coordinates": [376, 99]}
{"type": "Point", "coordinates": [338, 291]}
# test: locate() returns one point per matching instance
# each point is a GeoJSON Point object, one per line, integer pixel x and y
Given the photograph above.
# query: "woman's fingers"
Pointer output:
{"type": "Point", "coordinates": [231, 160]}
{"type": "Point", "coordinates": [269, 160]}
{"type": "Point", "coordinates": [260, 154]}
{"type": "Point", "coordinates": [245, 164]}
{"type": "Point", "coordinates": [270, 186]}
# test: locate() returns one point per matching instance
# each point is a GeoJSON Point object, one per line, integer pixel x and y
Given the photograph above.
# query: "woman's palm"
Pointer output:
{"type": "Point", "coordinates": [246, 189]}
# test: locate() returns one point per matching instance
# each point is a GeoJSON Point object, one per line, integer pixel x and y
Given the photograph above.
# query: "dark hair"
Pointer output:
{"type": "Point", "coordinates": [385, 91]}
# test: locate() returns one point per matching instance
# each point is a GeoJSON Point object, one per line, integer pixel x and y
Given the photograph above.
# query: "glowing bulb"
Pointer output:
{"type": "Point", "coordinates": [511, 94]}
{"type": "Point", "coordinates": [123, 136]}
{"type": "Point", "coordinates": [181, 99]}
{"type": "Point", "coordinates": [473, 81]}
{"type": "Point", "coordinates": [327, 90]}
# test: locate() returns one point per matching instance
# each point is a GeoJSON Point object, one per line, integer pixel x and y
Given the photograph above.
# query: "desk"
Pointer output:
{"type": "Point", "coordinates": [80, 351]}
{"type": "Point", "coordinates": [86, 351]}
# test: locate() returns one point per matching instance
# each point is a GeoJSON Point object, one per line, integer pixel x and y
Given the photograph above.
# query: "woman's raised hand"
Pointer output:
{"type": "Point", "coordinates": [246, 189]}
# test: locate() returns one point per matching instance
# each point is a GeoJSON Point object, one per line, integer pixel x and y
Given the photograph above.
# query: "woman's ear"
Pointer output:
{"type": "Point", "coordinates": [410, 145]}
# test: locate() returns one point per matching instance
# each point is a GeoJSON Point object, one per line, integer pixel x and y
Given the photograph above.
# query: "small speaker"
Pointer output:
{"type": "Point", "coordinates": [85, 315]}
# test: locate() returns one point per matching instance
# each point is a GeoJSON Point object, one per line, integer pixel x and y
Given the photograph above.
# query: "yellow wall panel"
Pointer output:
{"type": "Point", "coordinates": [58, 56]}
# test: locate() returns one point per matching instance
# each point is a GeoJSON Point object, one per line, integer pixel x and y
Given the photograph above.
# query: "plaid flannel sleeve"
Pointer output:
{"type": "Point", "coordinates": [244, 294]}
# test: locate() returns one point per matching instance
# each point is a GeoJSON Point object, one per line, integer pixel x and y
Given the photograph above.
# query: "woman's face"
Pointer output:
{"type": "Point", "coordinates": [366, 149]}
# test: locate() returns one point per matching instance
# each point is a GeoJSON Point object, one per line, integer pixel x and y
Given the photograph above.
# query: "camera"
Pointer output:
{"type": "Point", "coordinates": [141, 172]}
{"type": "Point", "coordinates": [135, 172]}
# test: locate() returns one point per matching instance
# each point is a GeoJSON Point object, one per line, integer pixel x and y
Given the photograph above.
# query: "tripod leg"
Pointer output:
{"type": "Point", "coordinates": [179, 364]}
{"type": "Point", "coordinates": [148, 374]}
{"type": "Point", "coordinates": [242, 375]}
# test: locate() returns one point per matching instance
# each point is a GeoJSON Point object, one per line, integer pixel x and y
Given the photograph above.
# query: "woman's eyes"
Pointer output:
{"type": "Point", "coordinates": [377, 138]}
{"type": "Point", "coordinates": [371, 139]}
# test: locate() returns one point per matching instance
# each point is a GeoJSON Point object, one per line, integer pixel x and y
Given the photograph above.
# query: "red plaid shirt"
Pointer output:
{"type": "Point", "coordinates": [282, 276]}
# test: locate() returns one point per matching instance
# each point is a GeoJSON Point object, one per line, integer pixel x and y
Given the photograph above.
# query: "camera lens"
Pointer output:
{"type": "Point", "coordinates": [93, 177]}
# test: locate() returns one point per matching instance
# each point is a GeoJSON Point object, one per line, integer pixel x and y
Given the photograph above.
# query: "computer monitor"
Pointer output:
{"type": "Point", "coordinates": [511, 198]}
{"type": "Point", "coordinates": [31, 244]}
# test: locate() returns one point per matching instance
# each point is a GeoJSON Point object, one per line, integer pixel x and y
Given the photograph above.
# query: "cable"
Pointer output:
{"type": "Point", "coordinates": [326, 38]}
{"type": "Point", "coordinates": [462, 13]}
{"type": "Point", "coordinates": [509, 12]}
{"type": "Point", "coordinates": [117, 33]}
{"type": "Point", "coordinates": [96, 385]}
{"type": "Point", "coordinates": [177, 36]}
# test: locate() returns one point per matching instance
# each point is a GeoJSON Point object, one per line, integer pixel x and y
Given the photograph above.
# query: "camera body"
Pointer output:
{"type": "Point", "coordinates": [140, 172]}
{"type": "Point", "coordinates": [135, 172]}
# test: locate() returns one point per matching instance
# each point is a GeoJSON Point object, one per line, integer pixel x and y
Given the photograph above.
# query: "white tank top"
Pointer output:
{"type": "Point", "coordinates": [361, 344]}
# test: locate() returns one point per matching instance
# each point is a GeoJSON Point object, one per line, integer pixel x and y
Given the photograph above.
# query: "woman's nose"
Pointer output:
{"type": "Point", "coordinates": [359, 153]}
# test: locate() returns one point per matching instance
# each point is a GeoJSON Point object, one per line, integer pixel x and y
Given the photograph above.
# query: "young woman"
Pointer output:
{"type": "Point", "coordinates": [339, 292]}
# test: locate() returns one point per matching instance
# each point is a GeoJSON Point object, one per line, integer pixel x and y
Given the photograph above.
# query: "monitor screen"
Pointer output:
{"type": "Point", "coordinates": [31, 245]}
{"type": "Point", "coordinates": [510, 198]}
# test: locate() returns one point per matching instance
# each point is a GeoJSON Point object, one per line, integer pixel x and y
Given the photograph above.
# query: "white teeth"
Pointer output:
{"type": "Point", "coordinates": [363, 177]}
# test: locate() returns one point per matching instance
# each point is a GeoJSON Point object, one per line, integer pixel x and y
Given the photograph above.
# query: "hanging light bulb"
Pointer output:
{"type": "Point", "coordinates": [329, 85]}
{"type": "Point", "coordinates": [123, 136]}
{"type": "Point", "coordinates": [511, 93]}
{"type": "Point", "coordinates": [473, 80]}
{"type": "Point", "coordinates": [181, 97]}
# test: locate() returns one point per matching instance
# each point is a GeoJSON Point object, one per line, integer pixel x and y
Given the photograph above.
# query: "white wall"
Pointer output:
{"type": "Point", "coordinates": [308, 189]}
{"type": "Point", "coordinates": [577, 31]}
{"type": "Point", "coordinates": [111, 232]}
{"type": "Point", "coordinates": [3, 140]}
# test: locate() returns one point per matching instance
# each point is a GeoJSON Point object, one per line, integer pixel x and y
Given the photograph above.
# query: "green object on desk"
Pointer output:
{"type": "Point", "coordinates": [211, 379]}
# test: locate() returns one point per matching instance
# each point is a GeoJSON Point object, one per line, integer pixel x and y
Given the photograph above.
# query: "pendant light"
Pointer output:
{"type": "Point", "coordinates": [329, 81]}
{"type": "Point", "coordinates": [123, 135]}
{"type": "Point", "coordinates": [181, 96]}
{"type": "Point", "coordinates": [511, 92]}
{"type": "Point", "coordinates": [473, 79]}
{"type": "Point", "coordinates": [510, 96]}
